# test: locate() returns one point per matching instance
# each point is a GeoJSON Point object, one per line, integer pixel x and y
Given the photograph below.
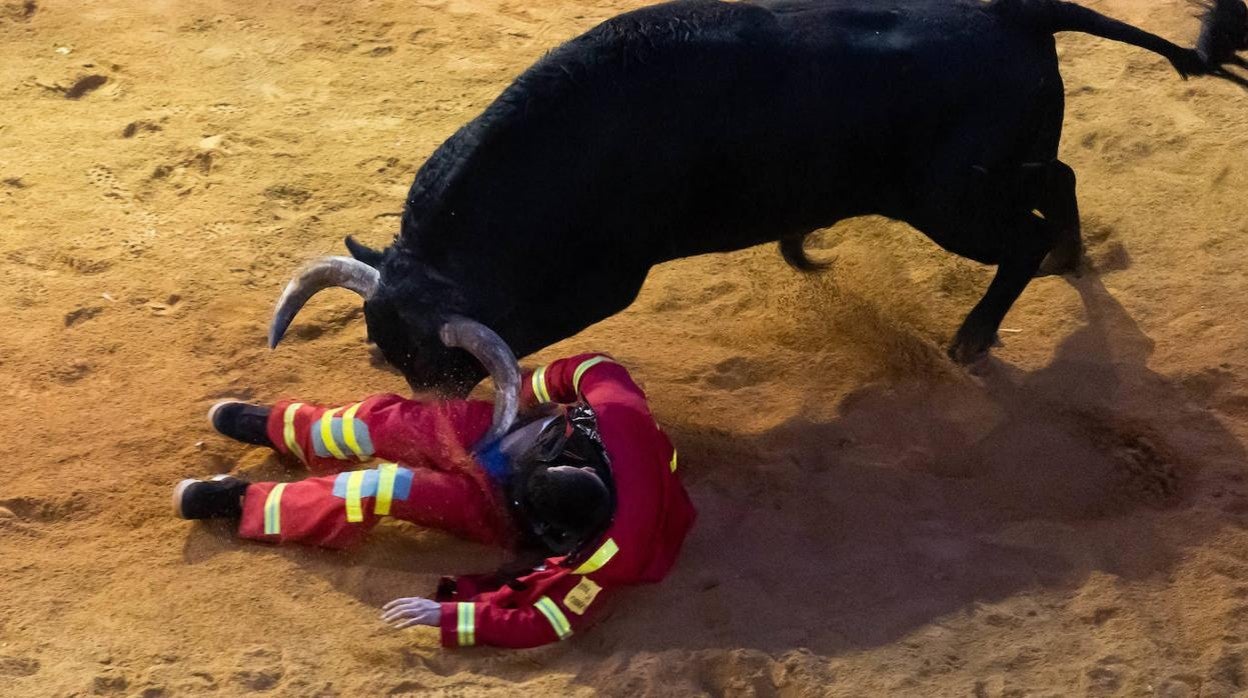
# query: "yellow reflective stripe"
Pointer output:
{"type": "Point", "coordinates": [672, 465]}
{"type": "Point", "coordinates": [585, 366]}
{"type": "Point", "coordinates": [539, 385]}
{"type": "Point", "coordinates": [601, 556]}
{"type": "Point", "coordinates": [386, 473]}
{"type": "Point", "coordinates": [558, 621]}
{"type": "Point", "coordinates": [288, 432]}
{"type": "Point", "coordinates": [327, 434]}
{"type": "Point", "coordinates": [355, 513]}
{"type": "Point", "coordinates": [348, 431]}
{"type": "Point", "coordinates": [467, 625]}
{"type": "Point", "coordinates": [273, 510]}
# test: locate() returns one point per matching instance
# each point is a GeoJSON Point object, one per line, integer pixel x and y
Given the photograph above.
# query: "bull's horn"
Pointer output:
{"type": "Point", "coordinates": [496, 357]}
{"type": "Point", "coordinates": [317, 275]}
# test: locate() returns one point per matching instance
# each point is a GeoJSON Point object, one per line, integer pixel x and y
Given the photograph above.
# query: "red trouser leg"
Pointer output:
{"type": "Point", "coordinates": [302, 512]}
{"type": "Point", "coordinates": [336, 511]}
{"type": "Point", "coordinates": [412, 432]}
{"type": "Point", "coordinates": [297, 428]}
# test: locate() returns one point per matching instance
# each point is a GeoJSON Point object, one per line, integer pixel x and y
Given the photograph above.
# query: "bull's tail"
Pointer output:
{"type": "Point", "coordinates": [1224, 30]}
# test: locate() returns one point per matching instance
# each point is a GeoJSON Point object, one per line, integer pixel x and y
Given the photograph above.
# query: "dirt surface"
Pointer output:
{"type": "Point", "coordinates": [873, 521]}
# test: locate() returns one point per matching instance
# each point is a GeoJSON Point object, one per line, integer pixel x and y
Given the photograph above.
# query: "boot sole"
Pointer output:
{"type": "Point", "coordinates": [178, 491]}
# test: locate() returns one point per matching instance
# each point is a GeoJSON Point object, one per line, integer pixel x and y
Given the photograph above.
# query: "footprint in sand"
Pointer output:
{"type": "Point", "coordinates": [288, 194]}
{"type": "Point", "coordinates": [21, 11]}
{"type": "Point", "coordinates": [82, 314]}
{"type": "Point", "coordinates": [259, 669]}
{"type": "Point", "coordinates": [104, 179]}
{"type": "Point", "coordinates": [85, 85]}
{"type": "Point", "coordinates": [71, 372]}
{"type": "Point", "coordinates": [736, 373]}
{"type": "Point", "coordinates": [740, 672]}
{"type": "Point", "coordinates": [1150, 470]}
{"type": "Point", "coordinates": [1179, 686]}
{"type": "Point", "coordinates": [77, 261]}
{"type": "Point", "coordinates": [18, 666]}
{"type": "Point", "coordinates": [84, 265]}
{"type": "Point", "coordinates": [140, 127]}
{"type": "Point", "coordinates": [198, 682]}
{"type": "Point", "coordinates": [1228, 676]}
{"type": "Point", "coordinates": [216, 230]}
{"type": "Point", "coordinates": [46, 509]}
{"type": "Point", "coordinates": [109, 682]}
{"type": "Point", "coordinates": [1106, 678]}
{"type": "Point", "coordinates": [169, 306]}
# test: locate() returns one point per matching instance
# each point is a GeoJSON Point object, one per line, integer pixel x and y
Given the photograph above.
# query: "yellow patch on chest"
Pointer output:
{"type": "Point", "coordinates": [581, 596]}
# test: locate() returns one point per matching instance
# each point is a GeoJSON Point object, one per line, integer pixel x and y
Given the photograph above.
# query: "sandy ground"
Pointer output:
{"type": "Point", "coordinates": [873, 521]}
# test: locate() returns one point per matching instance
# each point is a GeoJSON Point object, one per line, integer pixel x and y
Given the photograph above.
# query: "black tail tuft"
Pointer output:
{"type": "Point", "coordinates": [793, 251]}
{"type": "Point", "coordinates": [1223, 33]}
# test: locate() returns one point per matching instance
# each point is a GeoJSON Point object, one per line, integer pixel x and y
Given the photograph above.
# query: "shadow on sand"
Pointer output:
{"type": "Point", "coordinates": [918, 501]}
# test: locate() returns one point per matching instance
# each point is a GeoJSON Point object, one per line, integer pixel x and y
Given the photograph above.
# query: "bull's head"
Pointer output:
{"type": "Point", "coordinates": [433, 349]}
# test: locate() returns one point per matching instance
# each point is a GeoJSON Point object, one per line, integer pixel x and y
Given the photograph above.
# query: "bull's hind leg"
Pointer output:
{"type": "Point", "coordinates": [1057, 202]}
{"type": "Point", "coordinates": [1032, 240]}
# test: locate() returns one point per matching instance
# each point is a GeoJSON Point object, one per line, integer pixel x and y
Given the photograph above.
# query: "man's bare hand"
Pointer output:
{"type": "Point", "coordinates": [413, 610]}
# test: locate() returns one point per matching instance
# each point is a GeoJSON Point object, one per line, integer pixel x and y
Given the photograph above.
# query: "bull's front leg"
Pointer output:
{"type": "Point", "coordinates": [1019, 263]}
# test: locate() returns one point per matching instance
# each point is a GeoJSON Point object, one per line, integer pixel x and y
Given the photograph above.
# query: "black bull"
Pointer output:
{"type": "Point", "coordinates": [695, 127]}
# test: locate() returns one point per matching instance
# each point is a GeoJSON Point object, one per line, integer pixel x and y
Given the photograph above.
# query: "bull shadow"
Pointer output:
{"type": "Point", "coordinates": [923, 501]}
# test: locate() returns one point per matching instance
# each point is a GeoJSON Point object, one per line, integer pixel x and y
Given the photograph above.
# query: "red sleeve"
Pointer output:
{"type": "Point", "coordinates": [528, 398]}
{"type": "Point", "coordinates": [389, 427]}
{"type": "Point", "coordinates": [557, 605]}
{"type": "Point", "coordinates": [608, 388]}
{"type": "Point", "coordinates": [566, 380]}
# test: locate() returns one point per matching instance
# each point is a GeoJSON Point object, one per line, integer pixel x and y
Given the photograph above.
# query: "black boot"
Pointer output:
{"type": "Point", "coordinates": [241, 422]}
{"type": "Point", "coordinates": [218, 498]}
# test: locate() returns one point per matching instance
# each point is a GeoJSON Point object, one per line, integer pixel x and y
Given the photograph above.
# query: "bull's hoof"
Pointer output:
{"type": "Point", "coordinates": [1057, 264]}
{"type": "Point", "coordinates": [971, 347]}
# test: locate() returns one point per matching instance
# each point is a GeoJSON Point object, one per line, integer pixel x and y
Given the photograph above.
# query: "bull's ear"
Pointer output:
{"type": "Point", "coordinates": [363, 252]}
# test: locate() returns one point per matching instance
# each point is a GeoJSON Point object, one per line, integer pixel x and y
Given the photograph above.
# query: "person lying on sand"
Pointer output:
{"type": "Point", "coordinates": [584, 492]}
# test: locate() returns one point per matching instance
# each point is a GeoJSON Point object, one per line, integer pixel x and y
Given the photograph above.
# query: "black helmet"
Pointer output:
{"type": "Point", "coordinates": [567, 505]}
{"type": "Point", "coordinates": [561, 486]}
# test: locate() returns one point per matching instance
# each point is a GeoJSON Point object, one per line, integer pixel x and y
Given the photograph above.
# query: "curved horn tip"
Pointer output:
{"type": "Point", "coordinates": [315, 276]}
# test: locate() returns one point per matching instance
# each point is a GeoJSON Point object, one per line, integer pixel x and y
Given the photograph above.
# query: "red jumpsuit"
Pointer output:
{"type": "Point", "coordinates": [431, 479]}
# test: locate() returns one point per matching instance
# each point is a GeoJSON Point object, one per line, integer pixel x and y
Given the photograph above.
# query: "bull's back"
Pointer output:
{"type": "Point", "coordinates": [818, 111]}
{"type": "Point", "coordinates": [702, 126]}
